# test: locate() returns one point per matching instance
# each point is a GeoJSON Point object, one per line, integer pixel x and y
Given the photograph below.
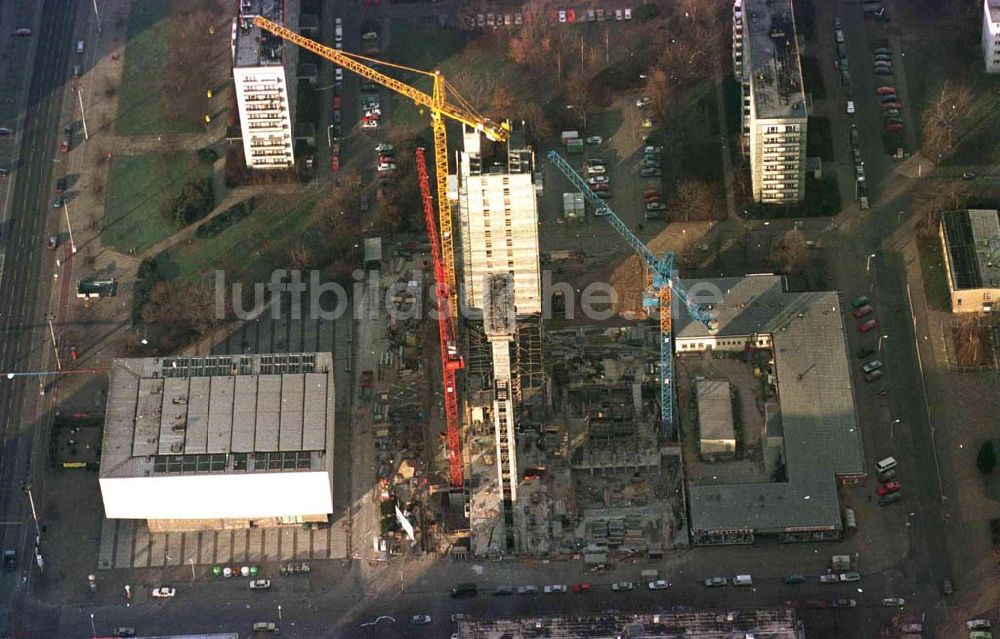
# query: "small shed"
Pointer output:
{"type": "Point", "coordinates": [715, 418]}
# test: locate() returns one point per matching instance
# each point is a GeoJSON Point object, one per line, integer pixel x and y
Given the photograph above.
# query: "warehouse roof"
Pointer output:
{"type": "Point", "coordinates": [178, 415]}
{"type": "Point", "coordinates": [820, 429]}
{"type": "Point", "coordinates": [972, 238]}
{"type": "Point", "coordinates": [715, 409]}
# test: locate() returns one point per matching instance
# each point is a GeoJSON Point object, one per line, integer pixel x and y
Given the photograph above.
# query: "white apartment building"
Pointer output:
{"type": "Point", "coordinates": [499, 222]}
{"type": "Point", "coordinates": [738, 40]}
{"type": "Point", "coordinates": [775, 119]}
{"type": "Point", "coordinates": [261, 89]}
{"type": "Point", "coordinates": [991, 35]}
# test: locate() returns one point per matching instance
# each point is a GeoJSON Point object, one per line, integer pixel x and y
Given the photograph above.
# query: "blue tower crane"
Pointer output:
{"type": "Point", "coordinates": [665, 282]}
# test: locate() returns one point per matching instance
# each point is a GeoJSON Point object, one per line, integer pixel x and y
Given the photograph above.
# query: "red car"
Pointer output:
{"type": "Point", "coordinates": [864, 310]}
{"type": "Point", "coordinates": [372, 3]}
{"type": "Point", "coordinates": [651, 197]}
{"type": "Point", "coordinates": [888, 488]}
{"type": "Point", "coordinates": [336, 103]}
{"type": "Point", "coordinates": [335, 163]}
{"type": "Point", "coordinates": [892, 105]}
{"type": "Point", "coordinates": [886, 90]}
{"type": "Point", "coordinates": [581, 587]}
{"type": "Point", "coordinates": [894, 127]}
{"type": "Point", "coordinates": [600, 187]}
{"type": "Point", "coordinates": [867, 326]}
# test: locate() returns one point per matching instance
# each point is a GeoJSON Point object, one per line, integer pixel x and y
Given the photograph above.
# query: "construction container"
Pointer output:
{"type": "Point", "coordinates": [573, 206]}
{"type": "Point", "coordinates": [566, 136]}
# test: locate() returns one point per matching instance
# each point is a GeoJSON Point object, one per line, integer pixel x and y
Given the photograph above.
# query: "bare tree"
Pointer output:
{"type": "Point", "coordinates": [790, 251]}
{"type": "Point", "coordinates": [695, 200]}
{"type": "Point", "coordinates": [944, 116]}
{"type": "Point", "coordinates": [930, 200]}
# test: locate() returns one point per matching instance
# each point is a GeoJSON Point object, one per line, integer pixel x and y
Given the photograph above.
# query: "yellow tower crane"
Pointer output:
{"type": "Point", "coordinates": [440, 109]}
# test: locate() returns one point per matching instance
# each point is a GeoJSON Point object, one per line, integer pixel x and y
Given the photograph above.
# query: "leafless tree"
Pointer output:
{"type": "Point", "coordinates": [943, 117]}
{"type": "Point", "coordinates": [930, 200]}
{"type": "Point", "coordinates": [695, 200]}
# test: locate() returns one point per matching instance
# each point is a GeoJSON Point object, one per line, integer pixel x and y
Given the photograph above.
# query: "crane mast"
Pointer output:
{"type": "Point", "coordinates": [451, 361]}
{"type": "Point", "coordinates": [665, 286]}
{"type": "Point", "coordinates": [440, 108]}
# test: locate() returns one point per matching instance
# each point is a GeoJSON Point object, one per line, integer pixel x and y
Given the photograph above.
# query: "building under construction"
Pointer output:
{"type": "Point", "coordinates": [502, 292]}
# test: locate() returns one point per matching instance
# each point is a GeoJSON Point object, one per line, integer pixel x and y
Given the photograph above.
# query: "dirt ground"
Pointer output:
{"type": "Point", "coordinates": [749, 464]}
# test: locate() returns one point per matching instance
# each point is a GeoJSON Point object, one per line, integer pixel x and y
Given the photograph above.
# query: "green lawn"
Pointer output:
{"type": "Point", "coordinates": [933, 271]}
{"type": "Point", "coordinates": [139, 186]}
{"type": "Point", "coordinates": [250, 249]}
{"type": "Point", "coordinates": [141, 102]}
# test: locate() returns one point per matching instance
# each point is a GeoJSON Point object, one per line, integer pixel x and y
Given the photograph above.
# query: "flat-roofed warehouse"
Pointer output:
{"type": "Point", "coordinates": [227, 441]}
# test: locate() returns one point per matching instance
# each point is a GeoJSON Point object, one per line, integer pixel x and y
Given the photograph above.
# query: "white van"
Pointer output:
{"type": "Point", "coordinates": [338, 33]}
{"type": "Point", "coordinates": [885, 464]}
{"type": "Point", "coordinates": [79, 46]}
{"type": "Point", "coordinates": [742, 580]}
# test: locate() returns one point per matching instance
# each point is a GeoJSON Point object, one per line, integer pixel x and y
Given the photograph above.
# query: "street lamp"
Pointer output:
{"type": "Point", "coordinates": [880, 338]}
{"type": "Point", "coordinates": [55, 346]}
{"type": "Point", "coordinates": [93, 628]}
{"type": "Point", "coordinates": [69, 227]}
{"type": "Point", "coordinates": [34, 513]}
{"type": "Point", "coordinates": [868, 267]}
{"type": "Point", "coordinates": [279, 612]}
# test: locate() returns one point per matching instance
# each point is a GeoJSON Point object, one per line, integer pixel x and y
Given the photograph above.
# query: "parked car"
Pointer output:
{"type": "Point", "coordinates": [651, 195]}
{"type": "Point", "coordinates": [600, 187]}
{"type": "Point", "coordinates": [893, 602]}
{"type": "Point", "coordinates": [164, 592]}
{"type": "Point", "coordinates": [502, 591]}
{"type": "Point", "coordinates": [888, 488]}
{"type": "Point", "coordinates": [850, 576]}
{"type": "Point", "coordinates": [894, 106]}
{"type": "Point", "coordinates": [882, 71]}
{"type": "Point", "coordinates": [643, 101]}
{"type": "Point", "coordinates": [886, 90]}
{"type": "Point", "coordinates": [873, 376]}
{"type": "Point", "coordinates": [795, 579]}
{"type": "Point", "coordinates": [260, 584]}
{"type": "Point", "coordinates": [658, 584]}
{"type": "Point", "coordinates": [867, 326]}
{"type": "Point", "coordinates": [969, 175]}
{"type": "Point", "coordinates": [556, 589]}
{"type": "Point", "coordinates": [894, 127]}
{"type": "Point", "coordinates": [865, 351]}
{"type": "Point", "coordinates": [887, 475]}
{"type": "Point", "coordinates": [60, 185]}
{"type": "Point", "coordinates": [715, 582]}
{"type": "Point", "coordinates": [873, 365]}
{"type": "Point", "coordinates": [581, 587]}
{"type": "Point", "coordinates": [978, 624]}
{"type": "Point", "coordinates": [597, 179]}
{"type": "Point", "coordinates": [650, 172]}
{"type": "Point", "coordinates": [843, 603]}
{"type": "Point", "coordinates": [596, 162]}
{"type": "Point", "coordinates": [829, 578]}
{"type": "Point", "coordinates": [622, 586]}
{"type": "Point", "coordinates": [53, 242]}
{"type": "Point", "coordinates": [594, 139]}
{"type": "Point", "coordinates": [421, 620]}
{"type": "Point", "coordinates": [656, 206]}
{"type": "Point", "coordinates": [891, 498]}
{"type": "Point", "coordinates": [596, 170]}
{"type": "Point", "coordinates": [123, 631]}
{"type": "Point", "coordinates": [652, 164]}
{"type": "Point", "coordinates": [265, 626]}
{"type": "Point", "coordinates": [864, 310]}
{"type": "Point", "coordinates": [58, 202]}
{"type": "Point", "coordinates": [527, 590]}
{"type": "Point", "coordinates": [883, 50]}
{"type": "Point", "coordinates": [888, 97]}
{"type": "Point", "coordinates": [850, 107]}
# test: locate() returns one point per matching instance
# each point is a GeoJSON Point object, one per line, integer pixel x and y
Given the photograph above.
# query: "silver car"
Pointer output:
{"type": "Point", "coordinates": [873, 365]}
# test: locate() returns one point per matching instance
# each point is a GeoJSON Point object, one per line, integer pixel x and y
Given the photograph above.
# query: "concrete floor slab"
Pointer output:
{"type": "Point", "coordinates": [223, 546]}
{"type": "Point", "coordinates": [175, 542]}
{"type": "Point", "coordinates": [295, 331]}
{"type": "Point", "coordinates": [239, 546]}
{"type": "Point", "coordinates": [287, 550]}
{"type": "Point", "coordinates": [157, 549]}
{"type": "Point", "coordinates": [303, 543]}
{"type": "Point", "coordinates": [271, 536]}
{"type": "Point", "coordinates": [338, 542]}
{"type": "Point", "coordinates": [106, 551]}
{"type": "Point", "coordinates": [264, 336]}
{"type": "Point", "coordinates": [191, 547]}
{"type": "Point", "coordinates": [321, 544]}
{"type": "Point", "coordinates": [125, 543]}
{"type": "Point", "coordinates": [309, 335]}
{"type": "Point", "coordinates": [255, 545]}
{"type": "Point", "coordinates": [140, 557]}
{"type": "Point", "coordinates": [206, 547]}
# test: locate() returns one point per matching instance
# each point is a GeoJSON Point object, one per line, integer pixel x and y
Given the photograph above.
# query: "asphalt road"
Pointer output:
{"type": "Point", "coordinates": [25, 282]}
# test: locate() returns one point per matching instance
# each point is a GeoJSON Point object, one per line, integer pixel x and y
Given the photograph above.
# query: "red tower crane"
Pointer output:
{"type": "Point", "coordinates": [451, 361]}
